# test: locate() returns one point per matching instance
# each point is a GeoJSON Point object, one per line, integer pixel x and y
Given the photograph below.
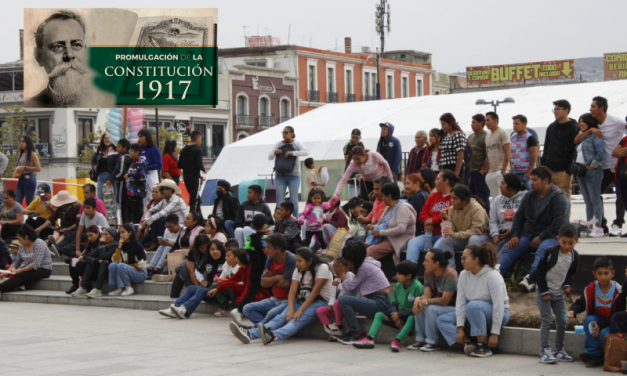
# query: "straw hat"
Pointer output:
{"type": "Point", "coordinates": [62, 198]}
{"type": "Point", "coordinates": [169, 183]}
{"type": "Point", "coordinates": [15, 243]}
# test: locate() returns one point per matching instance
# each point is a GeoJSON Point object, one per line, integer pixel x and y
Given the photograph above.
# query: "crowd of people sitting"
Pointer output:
{"type": "Point", "coordinates": [387, 254]}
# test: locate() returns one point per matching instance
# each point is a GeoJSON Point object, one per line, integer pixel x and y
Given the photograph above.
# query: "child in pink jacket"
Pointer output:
{"type": "Point", "coordinates": [313, 215]}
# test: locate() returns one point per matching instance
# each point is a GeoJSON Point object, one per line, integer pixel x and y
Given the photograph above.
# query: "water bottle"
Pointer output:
{"type": "Point", "coordinates": [428, 241]}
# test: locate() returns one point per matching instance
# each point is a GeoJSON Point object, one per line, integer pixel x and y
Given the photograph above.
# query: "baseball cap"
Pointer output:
{"type": "Point", "coordinates": [356, 132]}
{"type": "Point", "coordinates": [384, 125]}
{"type": "Point", "coordinates": [42, 189]}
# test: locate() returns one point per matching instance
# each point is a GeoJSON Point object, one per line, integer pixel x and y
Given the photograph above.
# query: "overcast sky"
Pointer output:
{"type": "Point", "coordinates": [458, 33]}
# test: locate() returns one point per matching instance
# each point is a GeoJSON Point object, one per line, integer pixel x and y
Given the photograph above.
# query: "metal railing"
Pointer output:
{"type": "Point", "coordinates": [285, 118]}
{"type": "Point", "coordinates": [313, 96]}
{"type": "Point", "coordinates": [267, 121]}
{"type": "Point", "coordinates": [369, 97]}
{"type": "Point", "coordinates": [351, 98]}
{"type": "Point", "coordinates": [245, 120]}
{"type": "Point", "coordinates": [331, 97]}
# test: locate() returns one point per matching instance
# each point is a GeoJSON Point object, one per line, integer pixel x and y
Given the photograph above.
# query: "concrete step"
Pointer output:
{"type": "Point", "coordinates": [59, 267]}
{"type": "Point", "coordinates": [61, 283]}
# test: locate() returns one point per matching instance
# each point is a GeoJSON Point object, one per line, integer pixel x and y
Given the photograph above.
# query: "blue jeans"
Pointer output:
{"type": "Point", "coordinates": [264, 311]}
{"type": "Point", "coordinates": [524, 180]}
{"type": "Point", "coordinates": [123, 275]}
{"type": "Point", "coordinates": [282, 183]}
{"type": "Point", "coordinates": [452, 245]}
{"type": "Point", "coordinates": [479, 187]}
{"type": "Point", "coordinates": [366, 306]}
{"type": "Point", "coordinates": [26, 187]}
{"type": "Point", "coordinates": [558, 307]}
{"type": "Point", "coordinates": [590, 186]}
{"type": "Point", "coordinates": [241, 234]}
{"type": "Point", "coordinates": [426, 329]}
{"type": "Point", "coordinates": [417, 245]}
{"type": "Point", "coordinates": [509, 256]}
{"type": "Point", "coordinates": [191, 298]}
{"type": "Point", "coordinates": [478, 315]}
{"type": "Point", "coordinates": [285, 330]}
{"type": "Point", "coordinates": [594, 346]}
{"type": "Point", "coordinates": [159, 257]}
{"type": "Point", "coordinates": [230, 227]}
{"type": "Point", "coordinates": [102, 179]}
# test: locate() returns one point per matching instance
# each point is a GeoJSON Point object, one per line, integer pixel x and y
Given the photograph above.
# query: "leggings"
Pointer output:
{"type": "Point", "coordinates": [385, 318]}
{"type": "Point", "coordinates": [324, 314]}
{"type": "Point", "coordinates": [319, 237]}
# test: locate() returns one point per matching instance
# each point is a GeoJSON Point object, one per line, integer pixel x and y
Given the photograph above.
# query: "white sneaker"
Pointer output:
{"type": "Point", "coordinates": [55, 252]}
{"type": "Point", "coordinates": [179, 311]}
{"type": "Point", "coordinates": [525, 285]}
{"type": "Point", "coordinates": [597, 232]}
{"type": "Point", "coordinates": [79, 292]}
{"type": "Point", "coordinates": [95, 293]}
{"type": "Point", "coordinates": [116, 292]}
{"type": "Point", "coordinates": [128, 291]}
{"type": "Point", "coordinates": [168, 313]}
{"type": "Point", "coordinates": [616, 230]}
{"type": "Point", "coordinates": [236, 317]}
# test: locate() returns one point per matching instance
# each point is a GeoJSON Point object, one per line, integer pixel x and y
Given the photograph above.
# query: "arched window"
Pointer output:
{"type": "Point", "coordinates": [263, 107]}
{"type": "Point", "coordinates": [285, 109]}
{"type": "Point", "coordinates": [242, 105]}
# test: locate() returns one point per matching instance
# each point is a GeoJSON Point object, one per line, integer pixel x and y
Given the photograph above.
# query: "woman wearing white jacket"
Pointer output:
{"type": "Point", "coordinates": [481, 300]}
{"type": "Point", "coordinates": [503, 208]}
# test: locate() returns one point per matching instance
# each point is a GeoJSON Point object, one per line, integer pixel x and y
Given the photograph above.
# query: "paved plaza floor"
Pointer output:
{"type": "Point", "coordinates": [38, 339]}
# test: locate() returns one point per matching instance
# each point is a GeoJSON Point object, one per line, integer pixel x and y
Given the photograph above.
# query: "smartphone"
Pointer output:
{"type": "Point", "coordinates": [160, 237]}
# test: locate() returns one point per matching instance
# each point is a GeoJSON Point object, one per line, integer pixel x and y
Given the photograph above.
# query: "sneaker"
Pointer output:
{"type": "Point", "coordinates": [416, 345]}
{"type": "Point", "coordinates": [469, 348]}
{"type": "Point", "coordinates": [333, 338]}
{"type": "Point", "coordinates": [395, 346]}
{"type": "Point", "coordinates": [179, 311]}
{"type": "Point", "coordinates": [116, 292]}
{"type": "Point", "coordinates": [237, 317]}
{"type": "Point", "coordinates": [562, 356]}
{"type": "Point", "coordinates": [546, 356]}
{"type": "Point", "coordinates": [429, 347]}
{"type": "Point", "coordinates": [54, 251]}
{"type": "Point", "coordinates": [525, 285]}
{"type": "Point", "coordinates": [349, 339]}
{"type": "Point", "coordinates": [128, 291]}
{"type": "Point", "coordinates": [332, 329]}
{"type": "Point", "coordinates": [481, 351]}
{"type": "Point", "coordinates": [79, 292]}
{"type": "Point", "coordinates": [241, 333]}
{"type": "Point", "coordinates": [616, 230]}
{"type": "Point", "coordinates": [168, 313]}
{"type": "Point", "coordinates": [221, 313]}
{"type": "Point", "coordinates": [267, 336]}
{"type": "Point", "coordinates": [51, 240]}
{"type": "Point", "coordinates": [364, 343]}
{"type": "Point", "coordinates": [71, 289]}
{"type": "Point", "coordinates": [597, 232]}
{"type": "Point", "coordinates": [95, 293]}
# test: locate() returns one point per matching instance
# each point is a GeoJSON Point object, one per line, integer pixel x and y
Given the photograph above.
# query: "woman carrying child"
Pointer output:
{"type": "Point", "coordinates": [128, 263]}
{"type": "Point", "coordinates": [313, 215]}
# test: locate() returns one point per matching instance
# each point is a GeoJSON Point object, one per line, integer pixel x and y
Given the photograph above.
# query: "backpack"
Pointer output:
{"type": "Point", "coordinates": [284, 165]}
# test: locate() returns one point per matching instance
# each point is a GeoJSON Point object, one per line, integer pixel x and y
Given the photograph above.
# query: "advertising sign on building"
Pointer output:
{"type": "Point", "coordinates": [512, 74]}
{"type": "Point", "coordinates": [263, 41]}
{"type": "Point", "coordinates": [615, 66]}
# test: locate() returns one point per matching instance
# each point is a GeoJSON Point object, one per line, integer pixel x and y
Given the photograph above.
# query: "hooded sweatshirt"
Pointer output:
{"type": "Point", "coordinates": [502, 212]}
{"type": "Point", "coordinates": [471, 220]}
{"type": "Point", "coordinates": [546, 220]}
{"type": "Point", "coordinates": [369, 279]}
{"type": "Point", "coordinates": [432, 208]}
{"type": "Point", "coordinates": [559, 145]}
{"type": "Point", "coordinates": [374, 167]}
{"type": "Point", "coordinates": [401, 228]}
{"type": "Point", "coordinates": [393, 152]}
{"type": "Point", "coordinates": [487, 286]}
{"type": "Point", "coordinates": [248, 210]}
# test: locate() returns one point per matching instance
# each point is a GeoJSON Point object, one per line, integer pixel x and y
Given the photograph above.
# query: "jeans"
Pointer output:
{"type": "Point", "coordinates": [353, 190]}
{"type": "Point", "coordinates": [230, 227]}
{"type": "Point", "coordinates": [191, 298]}
{"type": "Point", "coordinates": [608, 177]}
{"type": "Point", "coordinates": [478, 315]}
{"type": "Point", "coordinates": [282, 183]}
{"type": "Point", "coordinates": [101, 180]}
{"type": "Point", "coordinates": [264, 311]}
{"type": "Point", "coordinates": [159, 257]}
{"type": "Point", "coordinates": [417, 245]}
{"type": "Point", "coordinates": [509, 256]}
{"type": "Point", "coordinates": [241, 234]}
{"type": "Point", "coordinates": [622, 188]}
{"type": "Point", "coordinates": [157, 228]}
{"type": "Point", "coordinates": [123, 275]}
{"type": "Point", "coordinates": [324, 315]}
{"type": "Point", "coordinates": [558, 305]}
{"type": "Point", "coordinates": [285, 330]}
{"type": "Point", "coordinates": [479, 187]}
{"type": "Point", "coordinates": [192, 184]}
{"type": "Point", "coordinates": [98, 272]}
{"type": "Point", "coordinates": [594, 346]}
{"type": "Point", "coordinates": [590, 186]}
{"type": "Point", "coordinates": [26, 186]}
{"type": "Point", "coordinates": [452, 245]}
{"type": "Point", "coordinates": [524, 180]}
{"type": "Point", "coordinates": [493, 180]}
{"type": "Point", "coordinates": [367, 306]}
{"type": "Point", "coordinates": [426, 329]}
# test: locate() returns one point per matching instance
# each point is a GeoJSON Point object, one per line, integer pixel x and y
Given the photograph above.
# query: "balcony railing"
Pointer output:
{"type": "Point", "coordinates": [285, 118]}
{"type": "Point", "coordinates": [314, 96]}
{"type": "Point", "coordinates": [369, 97]}
{"type": "Point", "coordinates": [351, 98]}
{"type": "Point", "coordinates": [267, 121]}
{"type": "Point", "coordinates": [245, 120]}
{"type": "Point", "coordinates": [331, 97]}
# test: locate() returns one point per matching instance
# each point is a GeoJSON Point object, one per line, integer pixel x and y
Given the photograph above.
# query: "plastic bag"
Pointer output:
{"type": "Point", "coordinates": [324, 175]}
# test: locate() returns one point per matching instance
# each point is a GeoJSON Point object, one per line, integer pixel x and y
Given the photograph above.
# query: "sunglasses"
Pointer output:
{"type": "Point", "coordinates": [285, 132]}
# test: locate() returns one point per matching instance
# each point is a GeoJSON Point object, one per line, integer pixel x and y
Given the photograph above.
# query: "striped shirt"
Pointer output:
{"type": "Point", "coordinates": [38, 257]}
{"type": "Point", "coordinates": [176, 205]}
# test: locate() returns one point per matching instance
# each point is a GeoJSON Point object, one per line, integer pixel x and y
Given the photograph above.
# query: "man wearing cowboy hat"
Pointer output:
{"type": "Point", "coordinates": [67, 212]}
{"type": "Point", "coordinates": [172, 203]}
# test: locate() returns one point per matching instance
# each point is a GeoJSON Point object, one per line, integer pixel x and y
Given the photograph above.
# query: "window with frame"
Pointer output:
{"type": "Point", "coordinates": [285, 108]}
{"type": "Point", "coordinates": [404, 87]}
{"type": "Point", "coordinates": [373, 85]}
{"type": "Point", "coordinates": [312, 77]}
{"type": "Point", "coordinates": [367, 82]}
{"type": "Point", "coordinates": [217, 139]}
{"type": "Point", "coordinates": [85, 127]}
{"type": "Point", "coordinates": [349, 82]}
{"type": "Point", "coordinates": [331, 79]}
{"type": "Point", "coordinates": [419, 88]}
{"type": "Point", "coordinates": [153, 123]}
{"type": "Point", "coordinates": [242, 105]}
{"type": "Point", "coordinates": [390, 87]}
{"type": "Point", "coordinates": [263, 107]}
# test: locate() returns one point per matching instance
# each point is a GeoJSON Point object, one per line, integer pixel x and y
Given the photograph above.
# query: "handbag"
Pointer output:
{"type": "Point", "coordinates": [285, 165]}
{"type": "Point", "coordinates": [615, 349]}
{"type": "Point", "coordinates": [578, 169]}
{"type": "Point", "coordinates": [336, 243]}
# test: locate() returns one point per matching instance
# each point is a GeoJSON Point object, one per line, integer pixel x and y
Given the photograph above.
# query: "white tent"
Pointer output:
{"type": "Point", "coordinates": [326, 130]}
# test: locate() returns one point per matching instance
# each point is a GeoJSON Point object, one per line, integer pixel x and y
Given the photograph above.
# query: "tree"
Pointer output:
{"type": "Point", "coordinates": [15, 126]}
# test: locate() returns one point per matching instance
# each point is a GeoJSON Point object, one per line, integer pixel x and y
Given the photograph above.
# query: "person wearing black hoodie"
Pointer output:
{"type": "Point", "coordinates": [225, 205]}
{"type": "Point", "coordinates": [390, 148]}
{"type": "Point", "coordinates": [241, 228]}
{"type": "Point", "coordinates": [190, 161]}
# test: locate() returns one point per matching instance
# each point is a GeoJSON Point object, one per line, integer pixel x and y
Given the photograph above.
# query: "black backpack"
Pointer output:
{"type": "Point", "coordinates": [285, 165]}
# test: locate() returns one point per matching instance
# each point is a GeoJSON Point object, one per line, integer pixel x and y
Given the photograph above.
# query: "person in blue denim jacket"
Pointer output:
{"type": "Point", "coordinates": [591, 152]}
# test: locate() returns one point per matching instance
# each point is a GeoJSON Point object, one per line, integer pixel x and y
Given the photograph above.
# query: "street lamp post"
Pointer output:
{"type": "Point", "coordinates": [493, 103]}
{"type": "Point", "coordinates": [383, 9]}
